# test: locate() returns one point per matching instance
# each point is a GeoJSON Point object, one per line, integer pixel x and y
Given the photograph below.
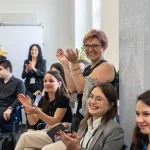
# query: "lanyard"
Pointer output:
{"type": "Point", "coordinates": [89, 138]}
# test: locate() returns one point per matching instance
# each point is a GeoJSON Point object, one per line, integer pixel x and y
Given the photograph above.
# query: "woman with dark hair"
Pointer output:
{"type": "Point", "coordinates": [59, 68]}
{"type": "Point", "coordinates": [98, 130]}
{"type": "Point", "coordinates": [52, 109]}
{"type": "Point", "coordinates": [141, 134]}
{"type": "Point", "coordinates": [54, 67]}
{"type": "Point", "coordinates": [34, 70]}
{"type": "Point", "coordinates": [33, 73]}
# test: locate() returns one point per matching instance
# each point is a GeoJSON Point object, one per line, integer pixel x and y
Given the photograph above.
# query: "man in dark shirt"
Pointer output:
{"type": "Point", "coordinates": [10, 87]}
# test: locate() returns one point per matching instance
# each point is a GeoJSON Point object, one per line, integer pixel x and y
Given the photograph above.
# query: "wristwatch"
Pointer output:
{"type": "Point", "coordinates": [10, 108]}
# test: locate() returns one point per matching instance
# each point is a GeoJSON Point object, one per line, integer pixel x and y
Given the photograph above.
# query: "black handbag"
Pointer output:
{"type": "Point", "coordinates": [9, 143]}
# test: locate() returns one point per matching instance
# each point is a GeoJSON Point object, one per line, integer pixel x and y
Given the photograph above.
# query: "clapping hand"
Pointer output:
{"type": "Point", "coordinates": [32, 110]}
{"type": "Point", "coordinates": [25, 100]}
{"type": "Point", "coordinates": [72, 56]}
{"type": "Point", "coordinates": [62, 56]}
{"type": "Point", "coordinates": [28, 67]}
{"type": "Point", "coordinates": [72, 141]}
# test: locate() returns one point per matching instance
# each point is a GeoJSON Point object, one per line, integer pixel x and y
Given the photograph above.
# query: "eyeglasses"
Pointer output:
{"type": "Point", "coordinates": [96, 98]}
{"type": "Point", "coordinates": [94, 46]}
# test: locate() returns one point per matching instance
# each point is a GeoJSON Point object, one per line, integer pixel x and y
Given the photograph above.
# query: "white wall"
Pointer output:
{"type": "Point", "coordinates": [110, 25]}
{"type": "Point", "coordinates": [83, 20]}
{"type": "Point", "coordinates": [57, 17]}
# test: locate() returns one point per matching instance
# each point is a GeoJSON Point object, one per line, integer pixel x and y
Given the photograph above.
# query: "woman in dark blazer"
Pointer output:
{"type": "Point", "coordinates": [34, 70]}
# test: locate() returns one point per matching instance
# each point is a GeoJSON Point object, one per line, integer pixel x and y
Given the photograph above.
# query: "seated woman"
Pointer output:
{"type": "Point", "coordinates": [98, 130]}
{"type": "Point", "coordinates": [141, 134]}
{"type": "Point", "coordinates": [58, 68]}
{"type": "Point", "coordinates": [52, 109]}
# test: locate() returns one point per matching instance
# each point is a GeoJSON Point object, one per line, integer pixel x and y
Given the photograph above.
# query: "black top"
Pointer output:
{"type": "Point", "coordinates": [9, 92]}
{"type": "Point", "coordinates": [38, 75]}
{"type": "Point", "coordinates": [88, 70]}
{"type": "Point", "coordinates": [61, 102]}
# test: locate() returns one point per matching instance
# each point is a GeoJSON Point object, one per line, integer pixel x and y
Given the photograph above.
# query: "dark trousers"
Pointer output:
{"type": "Point", "coordinates": [2, 120]}
{"type": "Point", "coordinates": [34, 127]}
{"type": "Point", "coordinates": [75, 123]}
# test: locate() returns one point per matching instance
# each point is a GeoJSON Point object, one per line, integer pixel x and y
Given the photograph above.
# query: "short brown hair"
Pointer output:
{"type": "Point", "coordinates": [100, 35]}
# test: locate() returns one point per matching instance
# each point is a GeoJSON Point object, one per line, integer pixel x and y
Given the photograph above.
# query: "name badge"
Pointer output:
{"type": "Point", "coordinates": [32, 80]}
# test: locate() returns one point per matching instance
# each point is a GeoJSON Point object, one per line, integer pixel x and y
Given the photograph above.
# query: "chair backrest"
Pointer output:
{"type": "Point", "coordinates": [14, 127]}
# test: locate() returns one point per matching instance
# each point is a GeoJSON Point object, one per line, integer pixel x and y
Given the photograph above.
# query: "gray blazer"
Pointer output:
{"type": "Point", "coordinates": [108, 137]}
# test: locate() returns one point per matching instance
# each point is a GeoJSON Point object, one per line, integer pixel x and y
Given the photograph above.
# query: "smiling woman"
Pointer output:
{"type": "Point", "coordinates": [98, 104]}
{"type": "Point", "coordinates": [95, 42]}
{"type": "Point", "coordinates": [141, 134]}
{"type": "Point", "coordinates": [52, 109]}
{"type": "Point", "coordinates": [33, 73]}
{"type": "Point", "coordinates": [98, 130]}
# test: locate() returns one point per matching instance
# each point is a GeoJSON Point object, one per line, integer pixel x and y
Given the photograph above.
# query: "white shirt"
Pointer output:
{"type": "Point", "coordinates": [92, 126]}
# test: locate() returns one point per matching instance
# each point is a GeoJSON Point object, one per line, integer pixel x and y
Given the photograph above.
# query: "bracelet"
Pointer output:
{"type": "Point", "coordinates": [10, 108]}
{"type": "Point", "coordinates": [77, 74]}
{"type": "Point", "coordinates": [35, 70]}
{"type": "Point", "coordinates": [76, 69]}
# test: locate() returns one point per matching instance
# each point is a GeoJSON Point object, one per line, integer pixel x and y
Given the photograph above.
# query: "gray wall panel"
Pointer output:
{"type": "Point", "coordinates": [134, 50]}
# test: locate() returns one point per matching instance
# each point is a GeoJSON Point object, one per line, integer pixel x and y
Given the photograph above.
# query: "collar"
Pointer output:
{"type": "Point", "coordinates": [11, 78]}
{"type": "Point", "coordinates": [93, 125]}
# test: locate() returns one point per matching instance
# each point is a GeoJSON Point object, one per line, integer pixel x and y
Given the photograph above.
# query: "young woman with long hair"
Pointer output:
{"type": "Point", "coordinates": [52, 109]}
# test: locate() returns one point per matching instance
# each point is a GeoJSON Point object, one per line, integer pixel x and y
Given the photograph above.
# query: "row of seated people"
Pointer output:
{"type": "Point", "coordinates": [95, 43]}
{"type": "Point", "coordinates": [99, 117]}
{"type": "Point", "coordinates": [142, 106]}
{"type": "Point", "coordinates": [9, 92]}
{"type": "Point", "coordinates": [97, 130]}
